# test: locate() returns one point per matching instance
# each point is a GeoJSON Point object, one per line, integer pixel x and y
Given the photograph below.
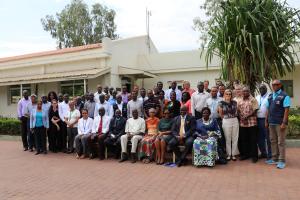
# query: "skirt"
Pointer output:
{"type": "Point", "coordinates": [147, 147]}
{"type": "Point", "coordinates": [205, 151]}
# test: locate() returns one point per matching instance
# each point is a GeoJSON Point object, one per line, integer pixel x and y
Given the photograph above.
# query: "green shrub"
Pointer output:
{"type": "Point", "coordinates": [10, 126]}
{"type": "Point", "coordinates": [294, 127]}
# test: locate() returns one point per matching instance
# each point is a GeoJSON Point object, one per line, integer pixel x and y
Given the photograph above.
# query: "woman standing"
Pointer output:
{"type": "Point", "coordinates": [164, 133]}
{"type": "Point", "coordinates": [162, 102]}
{"type": "Point", "coordinates": [52, 95]}
{"type": "Point", "coordinates": [230, 124]}
{"type": "Point", "coordinates": [39, 122]}
{"type": "Point", "coordinates": [54, 134]}
{"type": "Point", "coordinates": [174, 105]}
{"type": "Point", "coordinates": [147, 143]}
{"type": "Point", "coordinates": [186, 100]}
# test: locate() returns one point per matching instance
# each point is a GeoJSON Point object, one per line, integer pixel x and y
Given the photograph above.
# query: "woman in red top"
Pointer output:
{"type": "Point", "coordinates": [186, 100]}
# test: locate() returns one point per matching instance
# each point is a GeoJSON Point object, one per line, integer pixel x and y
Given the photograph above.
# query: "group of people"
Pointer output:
{"type": "Point", "coordinates": [216, 124]}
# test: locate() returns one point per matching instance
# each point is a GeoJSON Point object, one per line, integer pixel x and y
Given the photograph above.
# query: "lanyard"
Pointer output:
{"type": "Point", "coordinates": [84, 124]}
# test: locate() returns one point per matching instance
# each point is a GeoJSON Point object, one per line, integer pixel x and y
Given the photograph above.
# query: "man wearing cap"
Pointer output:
{"type": "Point", "coordinates": [277, 120]}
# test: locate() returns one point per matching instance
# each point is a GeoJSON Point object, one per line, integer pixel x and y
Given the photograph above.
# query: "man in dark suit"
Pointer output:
{"type": "Point", "coordinates": [120, 105]}
{"type": "Point", "coordinates": [116, 130]}
{"type": "Point", "coordinates": [182, 130]}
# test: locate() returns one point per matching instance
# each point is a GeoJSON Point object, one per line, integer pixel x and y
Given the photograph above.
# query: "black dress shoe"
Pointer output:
{"type": "Point", "coordinates": [25, 149]}
{"type": "Point", "coordinates": [37, 153]}
{"type": "Point", "coordinates": [133, 158]}
{"type": "Point", "coordinates": [124, 157]}
{"type": "Point", "coordinates": [91, 156]}
{"type": "Point", "coordinates": [31, 150]}
{"type": "Point", "coordinates": [179, 163]}
{"type": "Point", "coordinates": [45, 152]}
{"type": "Point", "coordinates": [243, 158]}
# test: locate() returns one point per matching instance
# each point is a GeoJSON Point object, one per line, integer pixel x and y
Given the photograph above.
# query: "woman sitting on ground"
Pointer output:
{"type": "Point", "coordinates": [164, 134]}
{"type": "Point", "coordinates": [147, 143]}
{"type": "Point", "coordinates": [205, 145]}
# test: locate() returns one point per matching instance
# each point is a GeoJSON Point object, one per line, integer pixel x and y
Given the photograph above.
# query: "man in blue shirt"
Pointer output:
{"type": "Point", "coordinates": [277, 120]}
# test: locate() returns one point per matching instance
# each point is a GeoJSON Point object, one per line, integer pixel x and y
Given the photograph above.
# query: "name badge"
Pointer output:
{"type": "Point", "coordinates": [277, 102]}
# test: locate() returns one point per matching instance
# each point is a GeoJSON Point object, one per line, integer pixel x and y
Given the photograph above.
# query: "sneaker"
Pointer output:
{"type": "Point", "coordinates": [270, 162]}
{"type": "Point", "coordinates": [280, 165]}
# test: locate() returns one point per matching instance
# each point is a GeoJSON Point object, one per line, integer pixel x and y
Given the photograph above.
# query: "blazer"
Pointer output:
{"type": "Point", "coordinates": [189, 125]}
{"type": "Point", "coordinates": [117, 129]}
{"type": "Point", "coordinates": [44, 115]}
{"type": "Point", "coordinates": [124, 109]}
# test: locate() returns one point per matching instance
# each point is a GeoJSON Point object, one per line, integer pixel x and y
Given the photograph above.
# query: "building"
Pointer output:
{"type": "Point", "coordinates": [127, 61]}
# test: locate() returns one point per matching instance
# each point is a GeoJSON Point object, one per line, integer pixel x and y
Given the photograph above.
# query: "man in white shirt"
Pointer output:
{"type": "Point", "coordinates": [173, 88]}
{"type": "Point", "coordinates": [134, 129]}
{"type": "Point", "coordinates": [134, 104]}
{"type": "Point", "coordinates": [100, 130]}
{"type": "Point", "coordinates": [71, 119]}
{"type": "Point", "coordinates": [263, 136]}
{"type": "Point", "coordinates": [63, 108]}
{"type": "Point", "coordinates": [103, 104]}
{"type": "Point", "coordinates": [97, 94]}
{"type": "Point", "coordinates": [143, 96]}
{"type": "Point", "coordinates": [198, 100]}
{"type": "Point", "coordinates": [84, 128]}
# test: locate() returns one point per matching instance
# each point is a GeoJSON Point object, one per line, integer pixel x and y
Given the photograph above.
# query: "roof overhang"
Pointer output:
{"type": "Point", "coordinates": [54, 77]}
{"type": "Point", "coordinates": [138, 73]}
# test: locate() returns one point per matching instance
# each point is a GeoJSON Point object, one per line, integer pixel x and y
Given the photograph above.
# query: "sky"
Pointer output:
{"type": "Point", "coordinates": [171, 23]}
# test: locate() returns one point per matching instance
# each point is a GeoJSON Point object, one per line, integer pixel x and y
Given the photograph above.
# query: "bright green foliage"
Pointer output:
{"type": "Point", "coordinates": [255, 39]}
{"type": "Point", "coordinates": [10, 126]}
{"type": "Point", "coordinates": [75, 25]}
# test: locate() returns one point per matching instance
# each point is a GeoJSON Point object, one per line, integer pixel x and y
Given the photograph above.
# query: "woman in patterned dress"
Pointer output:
{"type": "Point", "coordinates": [205, 145]}
{"type": "Point", "coordinates": [147, 143]}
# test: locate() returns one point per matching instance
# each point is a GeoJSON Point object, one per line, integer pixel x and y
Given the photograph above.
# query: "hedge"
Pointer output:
{"type": "Point", "coordinates": [10, 126]}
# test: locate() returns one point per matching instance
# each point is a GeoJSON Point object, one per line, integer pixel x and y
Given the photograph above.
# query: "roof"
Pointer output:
{"type": "Point", "coordinates": [52, 52]}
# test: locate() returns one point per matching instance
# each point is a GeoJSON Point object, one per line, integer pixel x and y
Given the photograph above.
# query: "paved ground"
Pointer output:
{"type": "Point", "coordinates": [60, 176]}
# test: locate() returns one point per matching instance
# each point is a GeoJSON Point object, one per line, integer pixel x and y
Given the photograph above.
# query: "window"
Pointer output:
{"type": "Point", "coordinates": [14, 93]}
{"type": "Point", "coordinates": [287, 86]}
{"type": "Point", "coordinates": [72, 88]}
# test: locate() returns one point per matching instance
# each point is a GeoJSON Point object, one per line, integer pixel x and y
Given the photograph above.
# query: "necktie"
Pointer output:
{"type": "Point", "coordinates": [100, 127]}
{"type": "Point", "coordinates": [181, 131]}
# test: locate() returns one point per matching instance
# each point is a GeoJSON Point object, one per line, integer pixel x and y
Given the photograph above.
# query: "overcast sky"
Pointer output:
{"type": "Point", "coordinates": [171, 23]}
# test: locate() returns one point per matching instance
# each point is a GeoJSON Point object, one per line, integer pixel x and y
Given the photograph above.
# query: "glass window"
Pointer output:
{"type": "Point", "coordinates": [14, 92]}
{"type": "Point", "coordinates": [72, 88]}
{"type": "Point", "coordinates": [287, 86]}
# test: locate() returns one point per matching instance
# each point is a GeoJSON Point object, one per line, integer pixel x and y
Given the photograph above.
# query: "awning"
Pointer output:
{"type": "Point", "coordinates": [53, 77]}
{"type": "Point", "coordinates": [137, 72]}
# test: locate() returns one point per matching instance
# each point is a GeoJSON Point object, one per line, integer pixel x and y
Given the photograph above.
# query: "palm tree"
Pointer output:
{"type": "Point", "coordinates": [255, 40]}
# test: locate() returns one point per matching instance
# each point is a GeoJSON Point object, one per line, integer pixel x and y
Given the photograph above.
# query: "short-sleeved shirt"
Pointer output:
{"type": "Point", "coordinates": [229, 109]}
{"type": "Point", "coordinates": [245, 108]}
{"type": "Point", "coordinates": [286, 101]}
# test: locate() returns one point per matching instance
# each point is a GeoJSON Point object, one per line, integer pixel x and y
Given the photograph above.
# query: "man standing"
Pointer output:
{"type": "Point", "coordinates": [152, 102]}
{"type": "Point", "coordinates": [198, 100]}
{"type": "Point", "coordinates": [183, 130]}
{"type": "Point", "coordinates": [135, 104]}
{"type": "Point", "coordinates": [102, 103]}
{"type": "Point", "coordinates": [277, 121]}
{"type": "Point", "coordinates": [143, 96]}
{"type": "Point", "coordinates": [63, 109]}
{"type": "Point", "coordinates": [90, 105]}
{"type": "Point", "coordinates": [120, 105]}
{"type": "Point", "coordinates": [113, 98]}
{"type": "Point", "coordinates": [221, 91]}
{"type": "Point", "coordinates": [135, 129]}
{"type": "Point", "coordinates": [97, 94]}
{"type": "Point", "coordinates": [46, 104]}
{"type": "Point", "coordinates": [22, 105]}
{"type": "Point", "coordinates": [206, 84]}
{"type": "Point", "coordinates": [159, 86]}
{"type": "Point", "coordinates": [71, 119]}
{"type": "Point", "coordinates": [124, 94]}
{"type": "Point", "coordinates": [212, 103]}
{"type": "Point", "coordinates": [175, 89]}
{"type": "Point", "coordinates": [247, 108]}
{"type": "Point", "coordinates": [263, 137]}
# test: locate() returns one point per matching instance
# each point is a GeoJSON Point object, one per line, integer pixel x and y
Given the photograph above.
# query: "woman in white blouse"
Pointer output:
{"type": "Point", "coordinates": [84, 129]}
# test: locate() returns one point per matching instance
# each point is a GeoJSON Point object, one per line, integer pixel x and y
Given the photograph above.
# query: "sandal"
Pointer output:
{"type": "Point", "coordinates": [146, 160]}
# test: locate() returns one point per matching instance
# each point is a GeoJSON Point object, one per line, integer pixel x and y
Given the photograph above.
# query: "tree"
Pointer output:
{"type": "Point", "coordinates": [75, 25]}
{"type": "Point", "coordinates": [255, 39]}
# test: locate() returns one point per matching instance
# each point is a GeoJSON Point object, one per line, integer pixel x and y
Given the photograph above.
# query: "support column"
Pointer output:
{"type": "Point", "coordinates": [84, 86]}
{"type": "Point", "coordinates": [21, 91]}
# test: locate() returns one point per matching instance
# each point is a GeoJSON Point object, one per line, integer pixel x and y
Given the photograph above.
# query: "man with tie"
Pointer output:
{"type": "Point", "coordinates": [182, 130]}
{"type": "Point", "coordinates": [100, 130]}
